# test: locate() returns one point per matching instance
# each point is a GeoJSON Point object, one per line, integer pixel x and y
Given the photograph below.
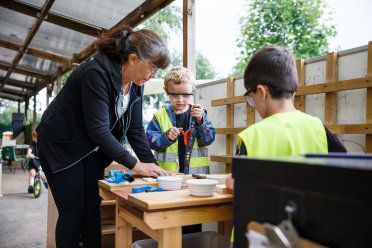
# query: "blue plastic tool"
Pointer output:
{"type": "Point", "coordinates": [144, 188]}
{"type": "Point", "coordinates": [119, 176]}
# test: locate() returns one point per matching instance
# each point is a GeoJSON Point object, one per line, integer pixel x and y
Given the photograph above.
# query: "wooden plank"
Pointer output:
{"type": "Point", "coordinates": [299, 101]}
{"type": "Point", "coordinates": [60, 20]}
{"type": "Point", "coordinates": [221, 189]}
{"type": "Point", "coordinates": [350, 129]}
{"type": "Point", "coordinates": [35, 52]}
{"type": "Point", "coordinates": [105, 195]}
{"type": "Point", "coordinates": [52, 221]}
{"type": "Point", "coordinates": [14, 92]}
{"type": "Point", "coordinates": [170, 237]}
{"type": "Point", "coordinates": [221, 159]}
{"type": "Point", "coordinates": [123, 232]}
{"type": "Point", "coordinates": [44, 10]}
{"type": "Point", "coordinates": [229, 122]}
{"type": "Point", "coordinates": [225, 227]}
{"type": "Point", "coordinates": [175, 199]}
{"type": "Point", "coordinates": [352, 84]}
{"type": "Point", "coordinates": [108, 229]}
{"type": "Point", "coordinates": [250, 112]}
{"type": "Point", "coordinates": [189, 50]}
{"type": "Point", "coordinates": [369, 99]}
{"type": "Point", "coordinates": [21, 84]}
{"type": "Point", "coordinates": [331, 97]}
{"type": "Point", "coordinates": [229, 131]}
{"type": "Point", "coordinates": [108, 202]}
{"type": "Point", "coordinates": [137, 222]}
{"type": "Point", "coordinates": [122, 186]}
{"type": "Point", "coordinates": [189, 216]}
{"type": "Point", "coordinates": [12, 98]}
{"type": "Point", "coordinates": [229, 100]}
{"type": "Point", "coordinates": [25, 72]}
{"type": "Point", "coordinates": [258, 227]}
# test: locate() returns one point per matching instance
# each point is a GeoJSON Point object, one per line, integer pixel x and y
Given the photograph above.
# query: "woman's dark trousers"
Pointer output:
{"type": "Point", "coordinates": [76, 194]}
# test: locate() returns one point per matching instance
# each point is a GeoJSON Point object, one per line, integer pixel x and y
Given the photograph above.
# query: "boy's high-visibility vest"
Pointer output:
{"type": "Point", "coordinates": [199, 163]}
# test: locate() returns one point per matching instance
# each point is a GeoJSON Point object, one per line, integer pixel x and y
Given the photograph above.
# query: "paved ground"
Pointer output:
{"type": "Point", "coordinates": [23, 218]}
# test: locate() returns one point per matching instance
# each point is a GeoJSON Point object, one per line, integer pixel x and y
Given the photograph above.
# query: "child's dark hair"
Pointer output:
{"type": "Point", "coordinates": [274, 67]}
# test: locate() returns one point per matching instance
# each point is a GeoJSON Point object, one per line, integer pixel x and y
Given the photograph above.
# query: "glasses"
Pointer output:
{"type": "Point", "coordinates": [249, 98]}
{"type": "Point", "coordinates": [152, 69]}
{"type": "Point", "coordinates": [177, 96]}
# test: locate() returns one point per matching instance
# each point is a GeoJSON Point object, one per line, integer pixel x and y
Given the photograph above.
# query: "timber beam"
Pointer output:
{"type": "Point", "coordinates": [35, 52]}
{"type": "Point", "coordinates": [12, 97]}
{"type": "Point", "coordinates": [20, 84]}
{"type": "Point", "coordinates": [60, 20]}
{"type": "Point", "coordinates": [42, 16]}
{"type": "Point", "coordinates": [25, 72]}
{"type": "Point", "coordinates": [14, 92]}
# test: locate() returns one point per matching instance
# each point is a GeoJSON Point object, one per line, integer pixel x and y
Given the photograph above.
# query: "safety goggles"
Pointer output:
{"type": "Point", "coordinates": [273, 89]}
{"type": "Point", "coordinates": [176, 96]}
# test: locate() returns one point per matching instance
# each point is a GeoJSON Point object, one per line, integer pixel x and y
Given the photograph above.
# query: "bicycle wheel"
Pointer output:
{"type": "Point", "coordinates": [37, 187]}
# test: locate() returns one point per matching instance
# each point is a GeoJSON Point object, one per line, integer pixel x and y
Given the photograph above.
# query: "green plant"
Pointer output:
{"type": "Point", "coordinates": [295, 24]}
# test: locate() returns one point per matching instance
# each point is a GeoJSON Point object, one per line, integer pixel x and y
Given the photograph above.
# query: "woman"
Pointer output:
{"type": "Point", "coordinates": [83, 129]}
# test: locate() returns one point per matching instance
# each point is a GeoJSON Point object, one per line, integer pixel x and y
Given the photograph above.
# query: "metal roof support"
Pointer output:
{"type": "Point", "coordinates": [44, 11]}
{"type": "Point", "coordinates": [30, 10]}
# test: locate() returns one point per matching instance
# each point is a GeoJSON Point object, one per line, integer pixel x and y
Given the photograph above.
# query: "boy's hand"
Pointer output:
{"type": "Point", "coordinates": [197, 112]}
{"type": "Point", "coordinates": [173, 133]}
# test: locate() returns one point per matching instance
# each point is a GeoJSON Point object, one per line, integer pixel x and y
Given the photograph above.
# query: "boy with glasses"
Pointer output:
{"type": "Point", "coordinates": [164, 133]}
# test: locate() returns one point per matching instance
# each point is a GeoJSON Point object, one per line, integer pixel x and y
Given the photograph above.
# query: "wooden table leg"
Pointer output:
{"type": "Point", "coordinates": [225, 227]}
{"type": "Point", "coordinates": [170, 237]}
{"type": "Point", "coordinates": [123, 234]}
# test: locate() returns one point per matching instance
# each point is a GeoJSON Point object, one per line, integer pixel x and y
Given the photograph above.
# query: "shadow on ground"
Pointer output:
{"type": "Point", "coordinates": [23, 218]}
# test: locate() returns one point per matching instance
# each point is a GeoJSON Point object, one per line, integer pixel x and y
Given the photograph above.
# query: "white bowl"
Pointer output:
{"type": "Point", "coordinates": [170, 183]}
{"type": "Point", "coordinates": [202, 187]}
{"type": "Point", "coordinates": [220, 178]}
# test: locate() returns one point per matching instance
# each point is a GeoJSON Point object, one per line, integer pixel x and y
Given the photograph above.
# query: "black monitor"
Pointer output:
{"type": "Point", "coordinates": [333, 197]}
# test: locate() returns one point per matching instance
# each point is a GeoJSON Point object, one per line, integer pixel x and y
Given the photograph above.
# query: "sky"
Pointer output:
{"type": "Point", "coordinates": [217, 28]}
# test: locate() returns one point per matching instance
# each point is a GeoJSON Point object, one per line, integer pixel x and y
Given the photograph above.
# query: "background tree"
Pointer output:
{"type": "Point", "coordinates": [295, 24]}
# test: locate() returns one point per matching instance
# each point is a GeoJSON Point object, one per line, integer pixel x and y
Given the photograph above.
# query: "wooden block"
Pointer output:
{"type": "Point", "coordinates": [236, 130]}
{"type": "Point", "coordinates": [189, 216]}
{"type": "Point", "coordinates": [221, 189]}
{"type": "Point", "coordinates": [250, 112]}
{"type": "Point", "coordinates": [229, 100]}
{"type": "Point", "coordinates": [222, 159]}
{"type": "Point", "coordinates": [350, 129]}
{"type": "Point", "coordinates": [146, 179]}
{"type": "Point", "coordinates": [123, 186]}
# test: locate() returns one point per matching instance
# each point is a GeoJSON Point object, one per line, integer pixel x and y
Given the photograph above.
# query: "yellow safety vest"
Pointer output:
{"type": "Point", "coordinates": [199, 163]}
{"type": "Point", "coordinates": [291, 133]}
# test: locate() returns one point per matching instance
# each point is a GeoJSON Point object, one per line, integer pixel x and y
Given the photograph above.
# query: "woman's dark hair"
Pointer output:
{"type": "Point", "coordinates": [274, 67]}
{"type": "Point", "coordinates": [121, 42]}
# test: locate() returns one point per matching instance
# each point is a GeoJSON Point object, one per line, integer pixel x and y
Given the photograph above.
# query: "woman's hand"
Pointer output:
{"type": "Point", "coordinates": [144, 169]}
{"type": "Point", "coordinates": [230, 182]}
{"type": "Point", "coordinates": [197, 112]}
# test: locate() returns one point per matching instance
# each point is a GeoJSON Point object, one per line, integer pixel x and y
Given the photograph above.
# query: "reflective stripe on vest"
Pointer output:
{"type": "Point", "coordinates": [199, 163]}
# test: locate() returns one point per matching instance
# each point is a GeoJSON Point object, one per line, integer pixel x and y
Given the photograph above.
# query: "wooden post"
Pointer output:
{"type": "Point", "coordinates": [229, 122]}
{"type": "Point", "coordinates": [26, 107]}
{"type": "Point", "coordinates": [331, 97]}
{"type": "Point", "coordinates": [47, 97]}
{"type": "Point", "coordinates": [369, 99]}
{"type": "Point", "coordinates": [19, 107]}
{"type": "Point", "coordinates": [299, 101]}
{"type": "Point", "coordinates": [34, 122]}
{"type": "Point", "coordinates": [59, 79]}
{"type": "Point", "coordinates": [170, 237]}
{"type": "Point", "coordinates": [189, 51]}
{"type": "Point", "coordinates": [75, 61]}
{"type": "Point", "coordinates": [52, 221]}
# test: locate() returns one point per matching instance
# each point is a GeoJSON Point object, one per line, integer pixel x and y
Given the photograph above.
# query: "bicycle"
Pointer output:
{"type": "Point", "coordinates": [38, 182]}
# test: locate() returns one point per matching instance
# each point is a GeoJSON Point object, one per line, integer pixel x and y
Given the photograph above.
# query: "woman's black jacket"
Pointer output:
{"type": "Point", "coordinates": [83, 118]}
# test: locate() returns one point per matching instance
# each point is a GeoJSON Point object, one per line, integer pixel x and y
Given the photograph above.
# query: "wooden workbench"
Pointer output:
{"type": "Point", "coordinates": [161, 215]}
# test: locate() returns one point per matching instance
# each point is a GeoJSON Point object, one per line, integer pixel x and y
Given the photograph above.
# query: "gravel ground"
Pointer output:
{"type": "Point", "coordinates": [23, 218]}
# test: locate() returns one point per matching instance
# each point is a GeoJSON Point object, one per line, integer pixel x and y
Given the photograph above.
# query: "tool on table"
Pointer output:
{"type": "Point", "coordinates": [145, 188]}
{"type": "Point", "coordinates": [188, 139]}
{"type": "Point", "coordinates": [200, 176]}
{"type": "Point", "coordinates": [119, 176]}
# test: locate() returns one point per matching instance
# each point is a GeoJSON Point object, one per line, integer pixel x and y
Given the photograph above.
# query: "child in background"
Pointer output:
{"type": "Point", "coordinates": [164, 133]}
{"type": "Point", "coordinates": [34, 164]}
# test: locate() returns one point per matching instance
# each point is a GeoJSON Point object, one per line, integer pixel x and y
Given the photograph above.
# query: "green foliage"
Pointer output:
{"type": "Point", "coordinates": [12, 107]}
{"type": "Point", "coordinates": [164, 22]}
{"type": "Point", "coordinates": [295, 24]}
